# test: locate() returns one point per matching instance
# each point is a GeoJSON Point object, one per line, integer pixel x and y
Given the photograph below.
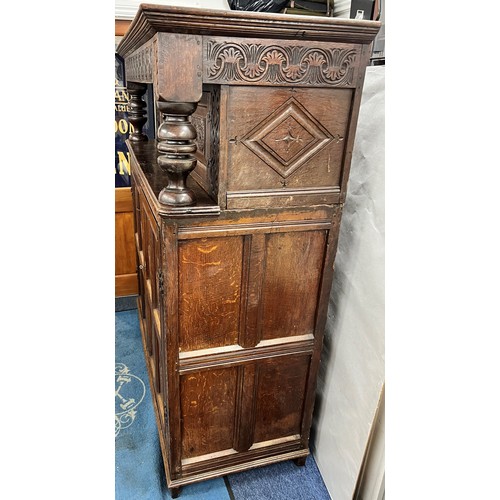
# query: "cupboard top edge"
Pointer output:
{"type": "Point", "coordinates": [151, 19]}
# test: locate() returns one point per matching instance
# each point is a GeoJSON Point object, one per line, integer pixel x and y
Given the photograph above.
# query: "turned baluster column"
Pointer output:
{"type": "Point", "coordinates": [176, 146]}
{"type": "Point", "coordinates": [137, 111]}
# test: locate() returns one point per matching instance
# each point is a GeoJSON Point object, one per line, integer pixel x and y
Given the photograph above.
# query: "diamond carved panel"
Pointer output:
{"type": "Point", "coordinates": [287, 138]}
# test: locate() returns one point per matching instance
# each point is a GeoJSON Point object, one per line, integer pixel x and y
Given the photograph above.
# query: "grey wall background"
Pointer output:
{"type": "Point", "coordinates": [352, 367]}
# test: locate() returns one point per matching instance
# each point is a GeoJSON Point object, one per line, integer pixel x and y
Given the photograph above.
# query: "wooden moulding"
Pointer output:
{"type": "Point", "coordinates": [154, 18]}
{"type": "Point", "coordinates": [170, 297]}
{"type": "Point", "coordinates": [203, 359]}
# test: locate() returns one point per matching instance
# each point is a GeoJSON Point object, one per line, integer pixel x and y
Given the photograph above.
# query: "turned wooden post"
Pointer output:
{"type": "Point", "coordinates": [176, 146]}
{"type": "Point", "coordinates": [137, 111]}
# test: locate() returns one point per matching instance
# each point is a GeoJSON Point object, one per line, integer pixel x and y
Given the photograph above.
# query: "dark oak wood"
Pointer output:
{"type": "Point", "coordinates": [151, 19]}
{"type": "Point", "coordinates": [287, 63]}
{"type": "Point", "coordinates": [237, 209]}
{"type": "Point", "coordinates": [290, 149]}
{"type": "Point", "coordinates": [137, 113]}
{"type": "Point", "coordinates": [176, 146]}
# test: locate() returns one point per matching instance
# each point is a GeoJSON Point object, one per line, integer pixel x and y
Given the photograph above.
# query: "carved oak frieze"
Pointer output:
{"type": "Point", "coordinates": [139, 65]}
{"type": "Point", "coordinates": [263, 62]}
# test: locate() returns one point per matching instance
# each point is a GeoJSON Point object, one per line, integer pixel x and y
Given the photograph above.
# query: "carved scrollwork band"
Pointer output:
{"type": "Point", "coordinates": [213, 160]}
{"type": "Point", "coordinates": [199, 124]}
{"type": "Point", "coordinates": [139, 65]}
{"type": "Point", "coordinates": [263, 63]}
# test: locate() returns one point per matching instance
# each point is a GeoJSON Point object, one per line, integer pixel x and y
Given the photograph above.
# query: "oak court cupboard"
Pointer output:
{"type": "Point", "coordinates": [237, 206]}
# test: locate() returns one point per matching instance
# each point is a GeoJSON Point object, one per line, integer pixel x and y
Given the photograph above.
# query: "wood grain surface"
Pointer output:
{"type": "Point", "coordinates": [125, 258]}
{"type": "Point", "coordinates": [236, 216]}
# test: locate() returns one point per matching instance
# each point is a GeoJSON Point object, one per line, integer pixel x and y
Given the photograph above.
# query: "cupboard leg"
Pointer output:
{"type": "Point", "coordinates": [174, 492]}
{"type": "Point", "coordinates": [300, 462]}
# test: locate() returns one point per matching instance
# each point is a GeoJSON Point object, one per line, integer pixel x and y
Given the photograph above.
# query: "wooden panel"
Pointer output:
{"type": "Point", "coordinates": [125, 261]}
{"type": "Point", "coordinates": [126, 284]}
{"type": "Point", "coordinates": [294, 265]}
{"type": "Point", "coordinates": [207, 409]}
{"type": "Point", "coordinates": [287, 151]}
{"type": "Point", "coordinates": [280, 397]}
{"type": "Point", "coordinates": [209, 290]}
{"type": "Point", "coordinates": [125, 258]}
{"type": "Point", "coordinates": [123, 200]}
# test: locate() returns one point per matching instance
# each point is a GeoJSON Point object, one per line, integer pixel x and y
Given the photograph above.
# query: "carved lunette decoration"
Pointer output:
{"type": "Point", "coordinates": [265, 62]}
{"type": "Point", "coordinates": [139, 65]}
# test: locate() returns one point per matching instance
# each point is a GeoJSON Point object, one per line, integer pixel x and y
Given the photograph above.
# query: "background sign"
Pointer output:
{"type": "Point", "coordinates": [122, 126]}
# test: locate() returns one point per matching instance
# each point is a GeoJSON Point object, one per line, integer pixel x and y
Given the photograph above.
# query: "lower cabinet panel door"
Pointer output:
{"type": "Point", "coordinates": [207, 411]}
{"type": "Point", "coordinates": [280, 395]}
{"type": "Point", "coordinates": [250, 406]}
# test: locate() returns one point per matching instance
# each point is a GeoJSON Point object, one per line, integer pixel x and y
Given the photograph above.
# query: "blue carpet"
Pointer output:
{"type": "Point", "coordinates": [139, 473]}
{"type": "Point", "coordinates": [281, 481]}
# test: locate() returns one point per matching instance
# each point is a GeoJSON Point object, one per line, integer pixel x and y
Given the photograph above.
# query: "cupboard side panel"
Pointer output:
{"type": "Point", "coordinates": [294, 265]}
{"type": "Point", "coordinates": [207, 411]}
{"type": "Point", "coordinates": [210, 274]}
{"type": "Point", "coordinates": [280, 397]}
